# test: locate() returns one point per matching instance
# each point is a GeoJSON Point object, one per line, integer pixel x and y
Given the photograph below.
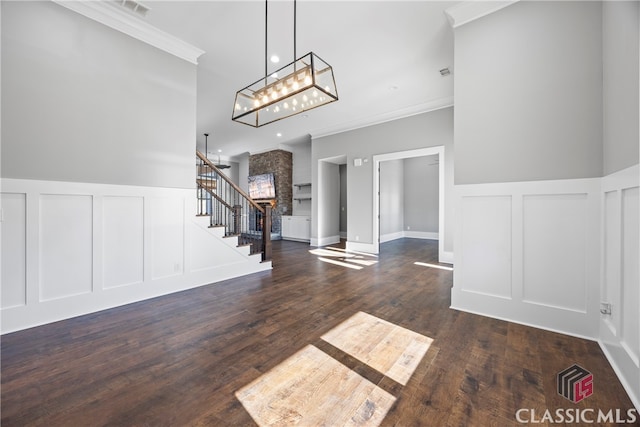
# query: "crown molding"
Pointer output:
{"type": "Point", "coordinates": [468, 11]}
{"type": "Point", "coordinates": [426, 107]}
{"type": "Point", "coordinates": [109, 14]}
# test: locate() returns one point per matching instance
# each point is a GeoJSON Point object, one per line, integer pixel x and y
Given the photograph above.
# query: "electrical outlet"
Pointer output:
{"type": "Point", "coordinates": [408, 227]}
{"type": "Point", "coordinates": [357, 238]}
{"type": "Point", "coordinates": [605, 308]}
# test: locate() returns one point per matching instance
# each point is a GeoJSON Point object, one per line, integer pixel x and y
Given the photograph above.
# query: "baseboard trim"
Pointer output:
{"type": "Point", "coordinates": [635, 399]}
{"type": "Point", "coordinates": [426, 235]}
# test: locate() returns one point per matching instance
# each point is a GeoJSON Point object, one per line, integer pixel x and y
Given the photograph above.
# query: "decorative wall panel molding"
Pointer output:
{"type": "Point", "coordinates": [122, 241]}
{"type": "Point", "coordinates": [485, 244]}
{"type": "Point", "coordinates": [14, 262]}
{"type": "Point", "coordinates": [528, 252]}
{"type": "Point", "coordinates": [66, 245]}
{"type": "Point", "coordinates": [81, 248]}
{"type": "Point", "coordinates": [555, 250]}
{"type": "Point", "coordinates": [619, 335]}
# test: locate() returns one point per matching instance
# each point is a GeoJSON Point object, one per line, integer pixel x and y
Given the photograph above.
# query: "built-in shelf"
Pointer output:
{"type": "Point", "coordinates": [305, 195]}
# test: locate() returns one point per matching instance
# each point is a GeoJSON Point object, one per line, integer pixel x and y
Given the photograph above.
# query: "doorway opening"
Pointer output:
{"type": "Point", "coordinates": [431, 153]}
{"type": "Point", "coordinates": [331, 194]}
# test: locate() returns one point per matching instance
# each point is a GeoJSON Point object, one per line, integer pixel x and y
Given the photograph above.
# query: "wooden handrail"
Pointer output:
{"type": "Point", "coordinates": [231, 183]}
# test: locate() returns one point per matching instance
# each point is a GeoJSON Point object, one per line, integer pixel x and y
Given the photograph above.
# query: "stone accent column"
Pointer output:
{"type": "Point", "coordinates": [280, 163]}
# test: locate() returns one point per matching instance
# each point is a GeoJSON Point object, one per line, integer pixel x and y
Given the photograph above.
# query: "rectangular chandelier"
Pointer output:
{"type": "Point", "coordinates": [300, 86]}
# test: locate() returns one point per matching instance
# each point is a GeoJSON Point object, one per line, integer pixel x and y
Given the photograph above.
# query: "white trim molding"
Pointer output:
{"type": "Point", "coordinates": [109, 14]}
{"type": "Point", "coordinates": [424, 235]}
{"type": "Point", "coordinates": [468, 11]}
{"type": "Point", "coordinates": [437, 104]}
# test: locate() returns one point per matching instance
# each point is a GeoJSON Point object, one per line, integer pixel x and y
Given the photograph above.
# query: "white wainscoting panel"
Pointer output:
{"type": "Point", "coordinates": [555, 245]}
{"type": "Point", "coordinates": [66, 245]}
{"type": "Point", "coordinates": [78, 248]}
{"type": "Point", "coordinates": [486, 245]}
{"type": "Point", "coordinates": [611, 259]}
{"type": "Point", "coordinates": [14, 249]}
{"type": "Point", "coordinates": [528, 252]}
{"type": "Point", "coordinates": [619, 335]}
{"type": "Point", "coordinates": [122, 241]}
{"type": "Point", "coordinates": [167, 236]}
{"type": "Point", "coordinates": [630, 272]}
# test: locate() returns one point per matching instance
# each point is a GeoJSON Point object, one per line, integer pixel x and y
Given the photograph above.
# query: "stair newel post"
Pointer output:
{"type": "Point", "coordinates": [266, 233]}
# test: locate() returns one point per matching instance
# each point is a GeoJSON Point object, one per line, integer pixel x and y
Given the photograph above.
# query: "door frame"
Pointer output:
{"type": "Point", "coordinates": [420, 152]}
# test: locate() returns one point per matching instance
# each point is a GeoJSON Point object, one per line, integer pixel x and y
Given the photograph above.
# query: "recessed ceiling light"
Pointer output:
{"type": "Point", "coordinates": [275, 59]}
{"type": "Point", "coordinates": [278, 134]}
{"type": "Point", "coordinates": [393, 87]}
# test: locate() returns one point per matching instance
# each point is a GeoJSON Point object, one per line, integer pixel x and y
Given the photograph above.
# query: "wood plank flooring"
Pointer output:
{"type": "Point", "coordinates": [179, 360]}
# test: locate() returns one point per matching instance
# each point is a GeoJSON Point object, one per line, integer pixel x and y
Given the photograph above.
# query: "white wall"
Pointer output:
{"type": "Point", "coordinates": [344, 207]}
{"type": "Point", "coordinates": [243, 172]}
{"type": "Point", "coordinates": [620, 85]}
{"type": "Point", "coordinates": [391, 199]}
{"type": "Point", "coordinates": [83, 102]}
{"type": "Point", "coordinates": [421, 184]}
{"type": "Point", "coordinates": [528, 97]}
{"type": "Point", "coordinates": [301, 174]}
{"type": "Point", "coordinates": [409, 201]}
{"type": "Point", "coordinates": [77, 248]}
{"type": "Point", "coordinates": [328, 189]}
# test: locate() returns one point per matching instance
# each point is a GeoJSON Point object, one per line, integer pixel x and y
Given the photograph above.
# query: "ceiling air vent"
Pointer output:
{"type": "Point", "coordinates": [133, 6]}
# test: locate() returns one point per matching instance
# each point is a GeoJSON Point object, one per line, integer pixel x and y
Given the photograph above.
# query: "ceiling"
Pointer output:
{"type": "Point", "coordinates": [386, 57]}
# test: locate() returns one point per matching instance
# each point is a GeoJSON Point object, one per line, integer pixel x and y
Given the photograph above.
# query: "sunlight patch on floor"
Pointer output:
{"type": "Point", "coordinates": [352, 252]}
{"type": "Point", "coordinates": [312, 388]}
{"type": "Point", "coordinates": [340, 263]}
{"type": "Point", "coordinates": [389, 349]}
{"type": "Point", "coordinates": [344, 258]}
{"type": "Point", "coordinates": [441, 267]}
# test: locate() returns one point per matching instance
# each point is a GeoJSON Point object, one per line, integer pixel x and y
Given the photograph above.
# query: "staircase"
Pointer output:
{"type": "Point", "coordinates": [230, 209]}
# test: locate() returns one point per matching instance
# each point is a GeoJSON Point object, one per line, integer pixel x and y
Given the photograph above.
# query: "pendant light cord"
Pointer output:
{"type": "Point", "coordinates": [266, 50]}
{"type": "Point", "coordinates": [266, 33]}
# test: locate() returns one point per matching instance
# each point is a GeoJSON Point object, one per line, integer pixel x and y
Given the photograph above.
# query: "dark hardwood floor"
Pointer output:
{"type": "Point", "coordinates": [178, 360]}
